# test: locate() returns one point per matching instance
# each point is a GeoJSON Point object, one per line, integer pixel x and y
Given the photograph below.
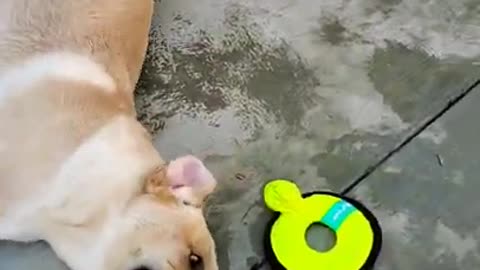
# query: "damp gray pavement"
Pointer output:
{"type": "Point", "coordinates": [375, 98]}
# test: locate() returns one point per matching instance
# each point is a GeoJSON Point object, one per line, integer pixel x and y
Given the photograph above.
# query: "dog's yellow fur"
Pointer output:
{"type": "Point", "coordinates": [77, 169]}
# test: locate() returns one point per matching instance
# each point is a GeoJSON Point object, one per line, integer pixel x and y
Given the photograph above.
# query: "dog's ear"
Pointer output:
{"type": "Point", "coordinates": [186, 178]}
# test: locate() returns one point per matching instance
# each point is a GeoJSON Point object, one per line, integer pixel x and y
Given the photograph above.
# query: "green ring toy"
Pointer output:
{"type": "Point", "coordinates": [358, 233]}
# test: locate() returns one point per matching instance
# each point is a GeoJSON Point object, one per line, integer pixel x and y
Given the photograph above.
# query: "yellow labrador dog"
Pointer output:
{"type": "Point", "coordinates": [76, 168]}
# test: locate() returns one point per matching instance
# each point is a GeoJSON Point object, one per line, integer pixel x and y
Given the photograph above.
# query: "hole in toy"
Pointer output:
{"type": "Point", "coordinates": [320, 237]}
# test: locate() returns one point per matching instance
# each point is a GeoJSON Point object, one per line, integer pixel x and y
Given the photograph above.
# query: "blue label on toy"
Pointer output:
{"type": "Point", "coordinates": [337, 214]}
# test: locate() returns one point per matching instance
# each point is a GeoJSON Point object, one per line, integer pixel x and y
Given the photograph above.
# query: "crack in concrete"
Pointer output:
{"type": "Point", "coordinates": [429, 121]}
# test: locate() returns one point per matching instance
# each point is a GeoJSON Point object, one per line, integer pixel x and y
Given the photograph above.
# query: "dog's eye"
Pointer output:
{"type": "Point", "coordinates": [191, 204]}
{"type": "Point", "coordinates": [142, 267]}
{"type": "Point", "coordinates": [196, 262]}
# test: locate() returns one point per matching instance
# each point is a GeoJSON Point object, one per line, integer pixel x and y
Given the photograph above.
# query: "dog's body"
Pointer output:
{"type": "Point", "coordinates": [77, 169]}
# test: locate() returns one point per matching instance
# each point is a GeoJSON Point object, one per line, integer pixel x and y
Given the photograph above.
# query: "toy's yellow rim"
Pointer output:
{"type": "Point", "coordinates": [358, 239]}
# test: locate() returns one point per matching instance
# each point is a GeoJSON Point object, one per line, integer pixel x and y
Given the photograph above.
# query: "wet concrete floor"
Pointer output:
{"type": "Point", "coordinates": [325, 93]}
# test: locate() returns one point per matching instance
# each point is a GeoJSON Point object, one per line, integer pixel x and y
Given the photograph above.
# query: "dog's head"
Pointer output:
{"type": "Point", "coordinates": [163, 228]}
